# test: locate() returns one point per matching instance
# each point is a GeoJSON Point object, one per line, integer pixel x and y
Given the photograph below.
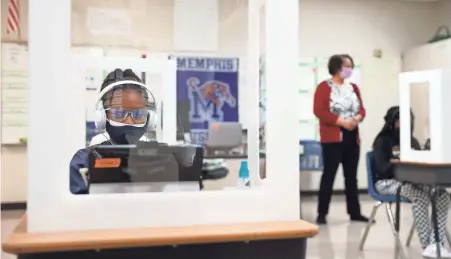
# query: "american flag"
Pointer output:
{"type": "Point", "coordinates": [13, 17]}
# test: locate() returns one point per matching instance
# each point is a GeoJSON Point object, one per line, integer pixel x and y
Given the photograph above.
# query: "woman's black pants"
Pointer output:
{"type": "Point", "coordinates": [347, 153]}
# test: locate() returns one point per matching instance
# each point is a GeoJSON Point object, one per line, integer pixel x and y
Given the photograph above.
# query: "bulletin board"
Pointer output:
{"type": "Point", "coordinates": [14, 89]}
{"type": "Point", "coordinates": [14, 97]}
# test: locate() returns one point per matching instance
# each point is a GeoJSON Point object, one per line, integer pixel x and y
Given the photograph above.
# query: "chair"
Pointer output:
{"type": "Point", "coordinates": [381, 199]}
{"type": "Point", "coordinates": [387, 200]}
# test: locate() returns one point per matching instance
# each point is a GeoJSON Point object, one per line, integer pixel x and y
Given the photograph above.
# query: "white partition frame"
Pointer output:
{"type": "Point", "coordinates": [439, 110]}
{"type": "Point", "coordinates": [56, 127]}
{"type": "Point", "coordinates": [253, 78]}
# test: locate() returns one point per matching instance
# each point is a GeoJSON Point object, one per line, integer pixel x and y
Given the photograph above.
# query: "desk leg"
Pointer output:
{"type": "Point", "coordinates": [397, 219]}
{"type": "Point", "coordinates": [264, 249]}
{"type": "Point", "coordinates": [433, 197]}
{"type": "Point", "coordinates": [398, 208]}
{"type": "Point", "coordinates": [399, 252]}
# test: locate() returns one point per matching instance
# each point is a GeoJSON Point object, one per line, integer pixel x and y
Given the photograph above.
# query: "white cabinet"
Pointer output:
{"type": "Point", "coordinates": [430, 56]}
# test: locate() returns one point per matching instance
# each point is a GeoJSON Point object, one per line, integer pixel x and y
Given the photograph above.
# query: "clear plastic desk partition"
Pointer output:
{"type": "Point", "coordinates": [423, 116]}
{"type": "Point", "coordinates": [127, 148]}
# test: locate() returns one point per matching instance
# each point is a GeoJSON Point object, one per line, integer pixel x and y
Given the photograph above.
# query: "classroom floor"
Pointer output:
{"type": "Point", "coordinates": [338, 240]}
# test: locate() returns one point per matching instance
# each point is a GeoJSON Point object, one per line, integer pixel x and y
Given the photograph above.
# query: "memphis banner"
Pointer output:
{"type": "Point", "coordinates": [210, 85]}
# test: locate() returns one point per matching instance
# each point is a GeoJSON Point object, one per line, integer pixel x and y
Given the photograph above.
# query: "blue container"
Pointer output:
{"type": "Point", "coordinates": [244, 170]}
{"type": "Point", "coordinates": [243, 179]}
{"type": "Point", "coordinates": [312, 157]}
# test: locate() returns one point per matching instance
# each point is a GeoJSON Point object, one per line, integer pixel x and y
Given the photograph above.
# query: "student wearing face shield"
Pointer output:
{"type": "Point", "coordinates": [386, 147]}
{"type": "Point", "coordinates": [125, 112]}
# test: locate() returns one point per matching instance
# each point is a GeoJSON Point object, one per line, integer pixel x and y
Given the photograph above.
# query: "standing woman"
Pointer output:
{"type": "Point", "coordinates": [339, 108]}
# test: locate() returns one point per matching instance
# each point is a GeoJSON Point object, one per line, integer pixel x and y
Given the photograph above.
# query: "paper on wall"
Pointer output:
{"type": "Point", "coordinates": [306, 106]}
{"type": "Point", "coordinates": [308, 130]}
{"type": "Point", "coordinates": [14, 110]}
{"type": "Point", "coordinates": [322, 73]}
{"type": "Point", "coordinates": [196, 26]}
{"type": "Point", "coordinates": [307, 79]}
{"type": "Point", "coordinates": [107, 21]}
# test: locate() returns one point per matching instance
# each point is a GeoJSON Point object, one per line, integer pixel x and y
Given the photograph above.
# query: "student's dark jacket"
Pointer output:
{"type": "Point", "coordinates": [386, 140]}
{"type": "Point", "coordinates": [80, 161]}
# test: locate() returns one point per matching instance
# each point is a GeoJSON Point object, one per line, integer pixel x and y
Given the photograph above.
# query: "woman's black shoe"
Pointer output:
{"type": "Point", "coordinates": [361, 218]}
{"type": "Point", "coordinates": [321, 220]}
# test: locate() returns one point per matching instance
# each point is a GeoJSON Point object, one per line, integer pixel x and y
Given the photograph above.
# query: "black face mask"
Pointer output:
{"type": "Point", "coordinates": [125, 135]}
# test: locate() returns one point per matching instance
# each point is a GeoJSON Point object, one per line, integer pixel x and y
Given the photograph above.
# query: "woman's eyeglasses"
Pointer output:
{"type": "Point", "coordinates": [139, 116]}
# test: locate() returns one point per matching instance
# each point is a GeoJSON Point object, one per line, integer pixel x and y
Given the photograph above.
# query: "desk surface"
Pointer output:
{"type": "Point", "coordinates": [396, 161]}
{"type": "Point", "coordinates": [231, 156]}
{"type": "Point", "coordinates": [21, 242]}
{"type": "Point", "coordinates": [432, 174]}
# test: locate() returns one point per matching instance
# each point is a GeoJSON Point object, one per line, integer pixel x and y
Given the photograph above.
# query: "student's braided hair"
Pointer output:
{"type": "Point", "coordinates": [123, 75]}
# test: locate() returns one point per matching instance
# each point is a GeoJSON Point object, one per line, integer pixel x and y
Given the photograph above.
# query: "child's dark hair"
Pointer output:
{"type": "Point", "coordinates": [126, 75]}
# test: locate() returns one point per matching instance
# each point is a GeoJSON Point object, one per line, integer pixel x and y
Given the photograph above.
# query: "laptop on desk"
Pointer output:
{"type": "Point", "coordinates": [146, 167]}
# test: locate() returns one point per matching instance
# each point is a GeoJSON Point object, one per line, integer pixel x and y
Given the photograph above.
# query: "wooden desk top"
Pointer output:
{"type": "Point", "coordinates": [396, 161]}
{"type": "Point", "coordinates": [21, 242]}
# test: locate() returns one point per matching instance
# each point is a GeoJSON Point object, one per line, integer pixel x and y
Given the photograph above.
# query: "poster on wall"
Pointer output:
{"type": "Point", "coordinates": [14, 93]}
{"type": "Point", "coordinates": [210, 85]}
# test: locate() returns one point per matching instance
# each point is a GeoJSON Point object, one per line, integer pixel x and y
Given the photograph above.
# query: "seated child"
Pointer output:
{"type": "Point", "coordinates": [386, 147]}
{"type": "Point", "coordinates": [126, 111]}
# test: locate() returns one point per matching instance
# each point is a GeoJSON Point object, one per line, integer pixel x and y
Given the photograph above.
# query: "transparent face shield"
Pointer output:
{"type": "Point", "coordinates": [130, 109]}
{"type": "Point", "coordinates": [135, 161]}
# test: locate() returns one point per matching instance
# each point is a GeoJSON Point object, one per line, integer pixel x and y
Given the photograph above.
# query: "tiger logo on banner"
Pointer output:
{"type": "Point", "coordinates": [210, 85]}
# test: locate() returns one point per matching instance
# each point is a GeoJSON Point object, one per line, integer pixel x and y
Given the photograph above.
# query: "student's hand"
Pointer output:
{"type": "Point", "coordinates": [84, 174]}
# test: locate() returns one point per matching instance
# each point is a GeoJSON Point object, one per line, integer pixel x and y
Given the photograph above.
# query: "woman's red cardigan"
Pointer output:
{"type": "Point", "coordinates": [329, 131]}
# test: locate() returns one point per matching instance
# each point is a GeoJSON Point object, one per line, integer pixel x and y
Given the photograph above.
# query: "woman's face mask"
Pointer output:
{"type": "Point", "coordinates": [346, 72]}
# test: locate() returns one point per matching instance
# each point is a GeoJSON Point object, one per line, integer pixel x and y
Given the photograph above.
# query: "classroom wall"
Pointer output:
{"type": "Point", "coordinates": [357, 27]}
{"type": "Point", "coordinates": [445, 13]}
{"type": "Point", "coordinates": [152, 25]}
{"type": "Point", "coordinates": [391, 25]}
